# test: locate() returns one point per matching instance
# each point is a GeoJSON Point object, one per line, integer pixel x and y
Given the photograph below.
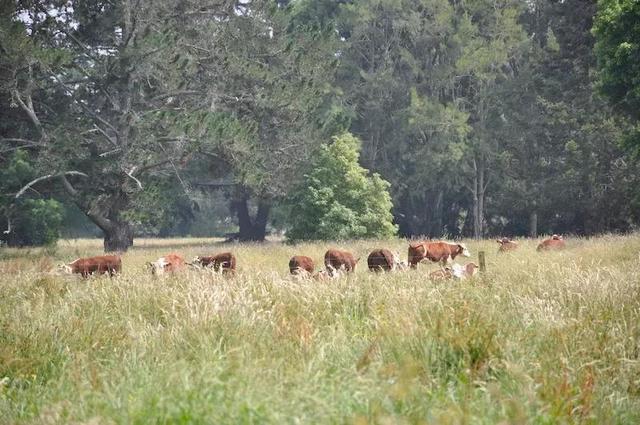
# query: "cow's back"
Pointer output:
{"type": "Point", "coordinates": [506, 246]}
{"type": "Point", "coordinates": [551, 244]}
{"type": "Point", "coordinates": [380, 259]}
{"type": "Point", "coordinates": [301, 262]}
{"type": "Point", "coordinates": [174, 262]}
{"type": "Point", "coordinates": [338, 259]}
{"type": "Point", "coordinates": [99, 264]}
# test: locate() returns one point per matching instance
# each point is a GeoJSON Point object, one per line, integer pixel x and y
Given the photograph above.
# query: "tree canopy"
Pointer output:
{"type": "Point", "coordinates": [151, 118]}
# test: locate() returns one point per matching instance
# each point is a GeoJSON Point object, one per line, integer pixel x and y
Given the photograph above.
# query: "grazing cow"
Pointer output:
{"type": "Point", "coordinates": [335, 259]}
{"type": "Point", "coordinates": [507, 244]}
{"type": "Point", "coordinates": [224, 262]}
{"type": "Point", "coordinates": [111, 264]}
{"type": "Point", "coordinates": [168, 264]}
{"type": "Point", "coordinates": [435, 251]}
{"type": "Point", "coordinates": [384, 260]}
{"type": "Point", "coordinates": [466, 271]}
{"type": "Point", "coordinates": [555, 242]}
{"type": "Point", "coordinates": [301, 264]}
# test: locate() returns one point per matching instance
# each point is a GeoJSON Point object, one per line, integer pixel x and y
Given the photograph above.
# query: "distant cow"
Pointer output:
{"type": "Point", "coordinates": [111, 264]}
{"type": "Point", "coordinates": [168, 264]}
{"type": "Point", "coordinates": [435, 251]}
{"type": "Point", "coordinates": [301, 264]}
{"type": "Point", "coordinates": [384, 260]}
{"type": "Point", "coordinates": [555, 242]}
{"type": "Point", "coordinates": [335, 259]}
{"type": "Point", "coordinates": [224, 262]}
{"type": "Point", "coordinates": [507, 244]}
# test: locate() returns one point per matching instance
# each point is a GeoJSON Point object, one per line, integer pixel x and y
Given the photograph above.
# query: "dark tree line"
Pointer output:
{"type": "Point", "coordinates": [485, 117]}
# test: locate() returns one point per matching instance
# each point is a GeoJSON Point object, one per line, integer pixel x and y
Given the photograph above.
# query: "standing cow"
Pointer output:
{"type": "Point", "coordinates": [555, 242]}
{"type": "Point", "coordinates": [384, 260]}
{"type": "Point", "coordinates": [506, 245]}
{"type": "Point", "coordinates": [224, 262]}
{"type": "Point", "coordinates": [435, 251]}
{"type": "Point", "coordinates": [335, 260]}
{"type": "Point", "coordinates": [168, 264]}
{"type": "Point", "coordinates": [111, 264]}
{"type": "Point", "coordinates": [301, 264]}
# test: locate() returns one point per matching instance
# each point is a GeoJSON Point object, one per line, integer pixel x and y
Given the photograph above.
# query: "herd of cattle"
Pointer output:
{"type": "Point", "coordinates": [336, 261]}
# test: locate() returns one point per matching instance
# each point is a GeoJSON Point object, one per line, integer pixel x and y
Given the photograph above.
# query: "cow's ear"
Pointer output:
{"type": "Point", "coordinates": [499, 241]}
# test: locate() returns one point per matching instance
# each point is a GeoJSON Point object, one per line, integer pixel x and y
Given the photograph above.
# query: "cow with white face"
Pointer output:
{"type": "Point", "coordinates": [170, 263]}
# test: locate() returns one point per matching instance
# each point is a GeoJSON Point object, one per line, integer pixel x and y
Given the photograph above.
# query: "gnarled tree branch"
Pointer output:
{"type": "Point", "coordinates": [48, 177]}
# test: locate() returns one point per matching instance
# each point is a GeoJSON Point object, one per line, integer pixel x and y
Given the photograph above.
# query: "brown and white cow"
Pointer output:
{"type": "Point", "coordinates": [435, 251]}
{"type": "Point", "coordinates": [168, 264]}
{"type": "Point", "coordinates": [111, 264]}
{"type": "Point", "coordinates": [506, 245]}
{"type": "Point", "coordinates": [555, 242]}
{"type": "Point", "coordinates": [384, 260]}
{"type": "Point", "coordinates": [224, 263]}
{"type": "Point", "coordinates": [335, 260]}
{"type": "Point", "coordinates": [301, 265]}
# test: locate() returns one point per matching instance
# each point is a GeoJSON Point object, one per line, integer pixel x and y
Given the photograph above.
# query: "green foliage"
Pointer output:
{"type": "Point", "coordinates": [32, 222]}
{"type": "Point", "coordinates": [339, 199]}
{"type": "Point", "coordinates": [617, 49]}
{"type": "Point", "coordinates": [39, 222]}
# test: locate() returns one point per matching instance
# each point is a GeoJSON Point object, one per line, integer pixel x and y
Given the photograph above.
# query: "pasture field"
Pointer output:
{"type": "Point", "coordinates": [540, 338]}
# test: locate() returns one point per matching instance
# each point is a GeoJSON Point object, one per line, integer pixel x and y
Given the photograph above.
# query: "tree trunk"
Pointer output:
{"type": "Point", "coordinates": [438, 212]}
{"type": "Point", "coordinates": [252, 230]}
{"type": "Point", "coordinates": [476, 210]}
{"type": "Point", "coordinates": [533, 224]}
{"type": "Point", "coordinates": [481, 190]}
{"type": "Point", "coordinates": [260, 224]}
{"type": "Point", "coordinates": [118, 238]}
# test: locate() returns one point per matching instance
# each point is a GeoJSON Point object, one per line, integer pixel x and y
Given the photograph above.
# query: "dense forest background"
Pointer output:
{"type": "Point", "coordinates": [128, 118]}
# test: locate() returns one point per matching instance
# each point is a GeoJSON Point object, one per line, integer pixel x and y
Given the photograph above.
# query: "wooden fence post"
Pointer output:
{"type": "Point", "coordinates": [483, 264]}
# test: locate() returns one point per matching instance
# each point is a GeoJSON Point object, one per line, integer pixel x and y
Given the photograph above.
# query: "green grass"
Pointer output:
{"type": "Point", "coordinates": [540, 338]}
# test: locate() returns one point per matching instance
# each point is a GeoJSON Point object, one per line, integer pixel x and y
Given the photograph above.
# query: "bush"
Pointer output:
{"type": "Point", "coordinates": [38, 223]}
{"type": "Point", "coordinates": [339, 199]}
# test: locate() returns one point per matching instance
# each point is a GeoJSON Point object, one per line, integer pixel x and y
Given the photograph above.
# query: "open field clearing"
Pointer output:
{"type": "Point", "coordinates": [541, 338]}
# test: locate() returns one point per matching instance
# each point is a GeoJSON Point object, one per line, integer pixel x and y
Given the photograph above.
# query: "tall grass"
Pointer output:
{"type": "Point", "coordinates": [540, 337]}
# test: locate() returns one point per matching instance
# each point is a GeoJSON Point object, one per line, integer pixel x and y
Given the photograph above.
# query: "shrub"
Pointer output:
{"type": "Point", "coordinates": [339, 199]}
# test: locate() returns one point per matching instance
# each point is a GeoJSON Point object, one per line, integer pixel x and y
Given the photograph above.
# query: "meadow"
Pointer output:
{"type": "Point", "coordinates": [539, 338]}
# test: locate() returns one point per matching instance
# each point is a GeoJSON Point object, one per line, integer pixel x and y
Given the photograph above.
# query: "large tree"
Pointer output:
{"type": "Point", "coordinates": [95, 81]}
{"type": "Point", "coordinates": [265, 74]}
{"type": "Point", "coordinates": [617, 49]}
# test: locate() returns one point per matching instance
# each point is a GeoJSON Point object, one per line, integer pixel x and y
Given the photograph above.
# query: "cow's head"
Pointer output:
{"type": "Point", "coordinates": [556, 237]}
{"type": "Point", "coordinates": [471, 269]}
{"type": "Point", "coordinates": [462, 250]}
{"type": "Point", "coordinates": [158, 266]}
{"type": "Point", "coordinates": [65, 268]}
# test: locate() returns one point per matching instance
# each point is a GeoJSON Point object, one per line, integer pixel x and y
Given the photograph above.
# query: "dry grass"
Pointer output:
{"type": "Point", "coordinates": [541, 337]}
